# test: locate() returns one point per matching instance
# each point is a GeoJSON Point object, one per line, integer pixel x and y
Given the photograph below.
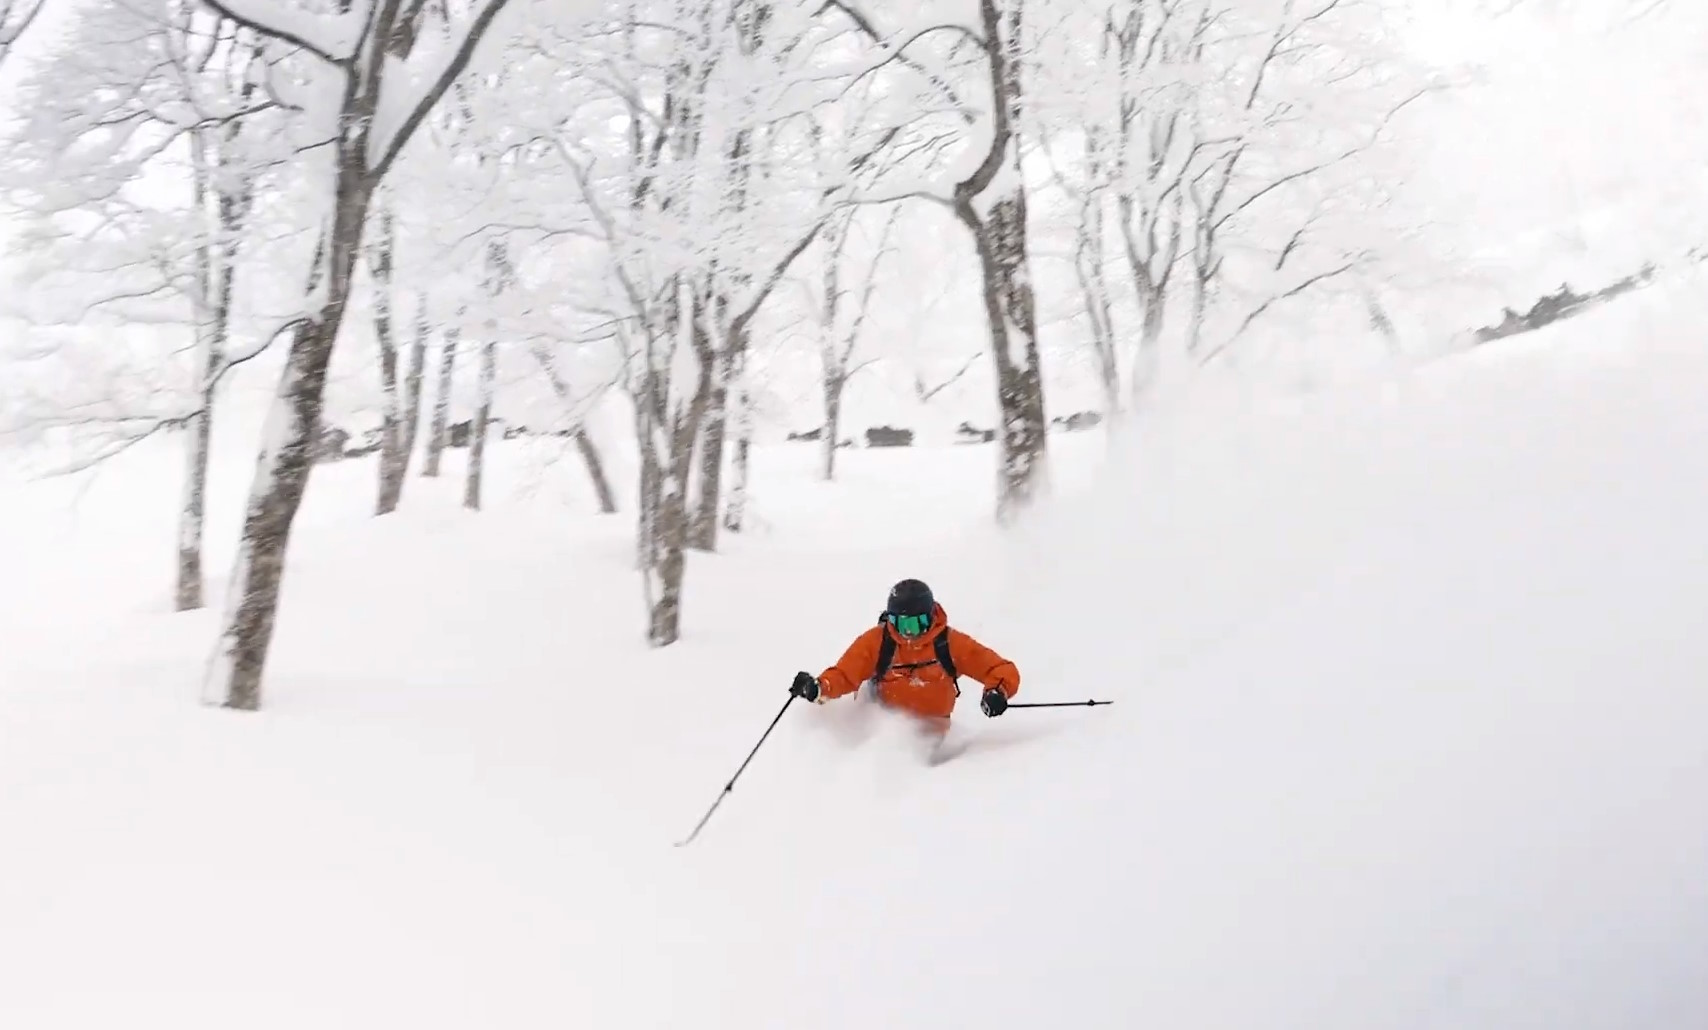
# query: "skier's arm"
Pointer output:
{"type": "Point", "coordinates": [981, 663]}
{"type": "Point", "coordinates": [854, 667]}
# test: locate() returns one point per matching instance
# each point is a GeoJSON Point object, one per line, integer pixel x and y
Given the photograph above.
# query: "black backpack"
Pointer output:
{"type": "Point", "coordinates": [940, 644]}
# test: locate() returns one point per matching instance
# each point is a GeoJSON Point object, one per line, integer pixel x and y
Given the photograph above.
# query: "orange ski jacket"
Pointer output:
{"type": "Point", "coordinates": [916, 682]}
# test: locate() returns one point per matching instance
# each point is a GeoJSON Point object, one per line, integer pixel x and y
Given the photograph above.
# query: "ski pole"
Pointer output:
{"type": "Point", "coordinates": [1058, 704]}
{"type": "Point", "coordinates": [731, 784]}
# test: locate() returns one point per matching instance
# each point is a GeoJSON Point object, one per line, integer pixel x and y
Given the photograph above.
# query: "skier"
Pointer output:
{"type": "Point", "coordinates": [913, 658]}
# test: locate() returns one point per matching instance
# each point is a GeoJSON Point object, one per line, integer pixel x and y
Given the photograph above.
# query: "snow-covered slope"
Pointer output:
{"type": "Point", "coordinates": [1408, 732]}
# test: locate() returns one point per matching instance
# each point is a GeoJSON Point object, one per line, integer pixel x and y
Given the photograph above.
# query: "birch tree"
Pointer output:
{"type": "Point", "coordinates": [1282, 200]}
{"type": "Point", "coordinates": [145, 90]}
{"type": "Point", "coordinates": [758, 46]}
{"type": "Point", "coordinates": [841, 311]}
{"type": "Point", "coordinates": [635, 188]}
{"type": "Point", "coordinates": [439, 428]}
{"type": "Point", "coordinates": [500, 277]}
{"type": "Point", "coordinates": [371, 76]}
{"type": "Point", "coordinates": [988, 197]}
{"type": "Point", "coordinates": [400, 397]}
{"type": "Point", "coordinates": [500, 203]}
{"type": "Point", "coordinates": [1156, 50]}
{"type": "Point", "coordinates": [688, 262]}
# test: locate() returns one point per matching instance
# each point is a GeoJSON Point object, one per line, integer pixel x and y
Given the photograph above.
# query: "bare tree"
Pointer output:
{"type": "Point", "coordinates": [735, 512]}
{"type": "Point", "coordinates": [1090, 259]}
{"type": "Point", "coordinates": [224, 196]}
{"type": "Point", "coordinates": [488, 382]}
{"type": "Point", "coordinates": [363, 55]}
{"type": "Point", "coordinates": [438, 432]}
{"type": "Point", "coordinates": [1278, 157]}
{"type": "Point", "coordinates": [688, 265]}
{"type": "Point", "coordinates": [748, 42]}
{"type": "Point", "coordinates": [990, 201]}
{"type": "Point", "coordinates": [584, 445]}
{"type": "Point", "coordinates": [402, 400]}
{"type": "Point", "coordinates": [156, 76]}
{"type": "Point", "coordinates": [500, 277]}
{"type": "Point", "coordinates": [1154, 48]}
{"type": "Point", "coordinates": [838, 336]}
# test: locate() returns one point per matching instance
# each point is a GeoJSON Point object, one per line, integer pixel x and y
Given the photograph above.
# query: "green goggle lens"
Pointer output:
{"type": "Point", "coordinates": [910, 625]}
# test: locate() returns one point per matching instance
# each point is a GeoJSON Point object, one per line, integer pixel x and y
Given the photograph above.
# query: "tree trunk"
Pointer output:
{"type": "Point", "coordinates": [287, 456]}
{"type": "Point", "coordinates": [703, 524]}
{"type": "Point", "coordinates": [833, 386]}
{"type": "Point", "coordinates": [192, 515]}
{"type": "Point", "coordinates": [391, 424]}
{"type": "Point", "coordinates": [1013, 325]}
{"type": "Point", "coordinates": [735, 513]}
{"type": "Point", "coordinates": [1094, 289]}
{"type": "Point", "coordinates": [216, 264]}
{"type": "Point", "coordinates": [293, 421]}
{"type": "Point", "coordinates": [1152, 265]}
{"type": "Point", "coordinates": [596, 472]}
{"type": "Point", "coordinates": [999, 236]}
{"type": "Point", "coordinates": [402, 416]}
{"type": "Point", "coordinates": [1200, 310]}
{"type": "Point", "coordinates": [583, 443]}
{"type": "Point", "coordinates": [668, 433]}
{"type": "Point", "coordinates": [1147, 361]}
{"type": "Point", "coordinates": [671, 527]}
{"type": "Point", "coordinates": [395, 468]}
{"type": "Point", "coordinates": [835, 372]}
{"type": "Point", "coordinates": [477, 432]}
{"type": "Point", "coordinates": [199, 430]}
{"type": "Point", "coordinates": [437, 433]}
{"type": "Point", "coordinates": [649, 490]}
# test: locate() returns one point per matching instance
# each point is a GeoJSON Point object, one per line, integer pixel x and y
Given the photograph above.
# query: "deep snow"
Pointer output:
{"type": "Point", "coordinates": [1408, 732]}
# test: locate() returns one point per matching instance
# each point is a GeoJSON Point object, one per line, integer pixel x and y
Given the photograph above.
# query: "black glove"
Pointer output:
{"type": "Point", "coordinates": [805, 687]}
{"type": "Point", "coordinates": [993, 703]}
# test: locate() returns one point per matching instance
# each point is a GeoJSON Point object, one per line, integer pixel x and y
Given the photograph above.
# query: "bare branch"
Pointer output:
{"type": "Point", "coordinates": [325, 49]}
{"type": "Point", "coordinates": [1271, 302]}
{"type": "Point", "coordinates": [870, 31]}
{"type": "Point", "coordinates": [925, 395]}
{"type": "Point", "coordinates": [454, 68]}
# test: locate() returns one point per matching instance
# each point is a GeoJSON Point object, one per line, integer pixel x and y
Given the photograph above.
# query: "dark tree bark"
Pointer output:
{"type": "Point", "coordinates": [994, 211]}
{"type": "Point", "coordinates": [664, 476]}
{"type": "Point", "coordinates": [583, 443]}
{"type": "Point", "coordinates": [438, 433]}
{"type": "Point", "coordinates": [402, 412]}
{"type": "Point", "coordinates": [596, 472]}
{"type": "Point", "coordinates": [293, 424]}
{"type": "Point", "coordinates": [703, 522]}
{"type": "Point", "coordinates": [478, 432]}
{"type": "Point", "coordinates": [224, 196]}
{"type": "Point", "coordinates": [501, 275]}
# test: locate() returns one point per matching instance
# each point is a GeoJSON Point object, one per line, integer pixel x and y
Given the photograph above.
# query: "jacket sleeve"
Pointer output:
{"type": "Point", "coordinates": [981, 663]}
{"type": "Point", "coordinates": [854, 667]}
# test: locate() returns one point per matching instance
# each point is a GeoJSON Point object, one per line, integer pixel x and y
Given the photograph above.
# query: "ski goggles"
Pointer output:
{"type": "Point", "coordinates": [910, 625]}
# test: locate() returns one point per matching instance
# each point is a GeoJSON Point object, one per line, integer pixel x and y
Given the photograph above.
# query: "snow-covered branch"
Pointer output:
{"type": "Point", "coordinates": [415, 102]}
{"type": "Point", "coordinates": [16, 17]}
{"type": "Point", "coordinates": [333, 38]}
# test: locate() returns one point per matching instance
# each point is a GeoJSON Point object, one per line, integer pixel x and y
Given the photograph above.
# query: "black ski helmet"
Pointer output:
{"type": "Point", "coordinates": [910, 597]}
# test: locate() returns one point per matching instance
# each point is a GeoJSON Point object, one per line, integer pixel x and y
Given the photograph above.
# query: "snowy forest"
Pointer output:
{"type": "Point", "coordinates": [575, 205]}
{"type": "Point", "coordinates": [379, 364]}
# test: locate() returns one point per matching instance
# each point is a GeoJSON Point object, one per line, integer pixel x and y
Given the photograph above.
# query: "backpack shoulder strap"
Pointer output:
{"type": "Point", "coordinates": [942, 645]}
{"type": "Point", "coordinates": [886, 652]}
